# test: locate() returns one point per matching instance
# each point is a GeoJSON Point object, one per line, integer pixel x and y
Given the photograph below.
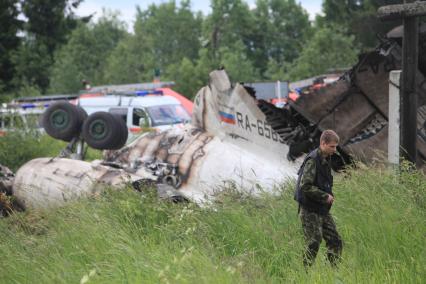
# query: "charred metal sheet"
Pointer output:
{"type": "Point", "coordinates": [375, 147]}
{"type": "Point", "coordinates": [350, 117]}
{"type": "Point", "coordinates": [319, 103]}
{"type": "Point", "coordinates": [372, 78]}
{"type": "Point", "coordinates": [375, 124]}
{"type": "Point", "coordinates": [6, 180]}
{"type": "Point", "coordinates": [169, 155]}
{"type": "Point", "coordinates": [355, 106]}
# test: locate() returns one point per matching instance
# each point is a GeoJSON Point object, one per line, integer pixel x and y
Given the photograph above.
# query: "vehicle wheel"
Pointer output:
{"type": "Point", "coordinates": [124, 132]}
{"type": "Point", "coordinates": [62, 121]}
{"type": "Point", "coordinates": [82, 115]}
{"type": "Point", "coordinates": [101, 130]}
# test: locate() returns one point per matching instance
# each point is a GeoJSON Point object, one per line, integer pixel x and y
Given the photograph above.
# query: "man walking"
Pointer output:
{"type": "Point", "coordinates": [315, 196]}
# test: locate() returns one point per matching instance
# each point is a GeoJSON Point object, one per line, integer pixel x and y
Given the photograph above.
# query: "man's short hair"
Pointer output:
{"type": "Point", "coordinates": [329, 136]}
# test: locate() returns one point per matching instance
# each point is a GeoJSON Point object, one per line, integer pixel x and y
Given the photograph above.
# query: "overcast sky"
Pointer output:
{"type": "Point", "coordinates": [127, 8]}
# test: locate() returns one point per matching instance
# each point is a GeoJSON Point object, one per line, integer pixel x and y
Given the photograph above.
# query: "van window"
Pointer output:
{"type": "Point", "coordinates": [168, 114]}
{"type": "Point", "coordinates": [139, 114]}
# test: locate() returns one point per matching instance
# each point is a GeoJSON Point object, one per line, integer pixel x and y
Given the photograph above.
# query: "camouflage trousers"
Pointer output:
{"type": "Point", "coordinates": [315, 228]}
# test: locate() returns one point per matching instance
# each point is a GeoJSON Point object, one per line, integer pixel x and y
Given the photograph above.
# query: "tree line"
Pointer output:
{"type": "Point", "coordinates": [46, 49]}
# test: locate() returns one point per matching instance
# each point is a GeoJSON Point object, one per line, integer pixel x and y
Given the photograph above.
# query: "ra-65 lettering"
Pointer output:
{"type": "Point", "coordinates": [263, 128]}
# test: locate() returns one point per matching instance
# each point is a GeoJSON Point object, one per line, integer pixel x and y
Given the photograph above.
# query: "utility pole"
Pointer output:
{"type": "Point", "coordinates": [409, 13]}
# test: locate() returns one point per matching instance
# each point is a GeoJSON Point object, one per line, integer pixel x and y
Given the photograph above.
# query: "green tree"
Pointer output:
{"type": "Point", "coordinates": [164, 35]}
{"type": "Point", "coordinates": [290, 30]}
{"type": "Point", "coordinates": [275, 71]}
{"type": "Point", "coordinates": [9, 41]}
{"type": "Point", "coordinates": [237, 64]}
{"type": "Point", "coordinates": [168, 32]}
{"type": "Point", "coordinates": [190, 77]}
{"type": "Point", "coordinates": [48, 23]}
{"type": "Point", "coordinates": [32, 62]}
{"type": "Point", "coordinates": [229, 22]}
{"type": "Point", "coordinates": [280, 31]}
{"type": "Point", "coordinates": [359, 18]}
{"type": "Point", "coordinates": [85, 55]}
{"type": "Point", "coordinates": [127, 63]}
{"type": "Point", "coordinates": [184, 74]}
{"type": "Point", "coordinates": [329, 48]}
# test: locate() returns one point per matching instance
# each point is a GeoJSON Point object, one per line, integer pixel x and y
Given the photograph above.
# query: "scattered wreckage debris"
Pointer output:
{"type": "Point", "coordinates": [233, 137]}
{"type": "Point", "coordinates": [355, 106]}
{"type": "Point", "coordinates": [8, 203]}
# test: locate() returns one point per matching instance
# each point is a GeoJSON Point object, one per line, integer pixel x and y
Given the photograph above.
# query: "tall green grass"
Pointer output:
{"type": "Point", "coordinates": [128, 237]}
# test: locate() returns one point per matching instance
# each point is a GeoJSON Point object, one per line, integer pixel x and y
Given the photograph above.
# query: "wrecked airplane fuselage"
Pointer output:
{"type": "Point", "coordinates": [235, 138]}
{"type": "Point", "coordinates": [229, 141]}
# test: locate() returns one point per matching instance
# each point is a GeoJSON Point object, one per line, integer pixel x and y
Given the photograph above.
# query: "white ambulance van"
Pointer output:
{"type": "Point", "coordinates": [153, 111]}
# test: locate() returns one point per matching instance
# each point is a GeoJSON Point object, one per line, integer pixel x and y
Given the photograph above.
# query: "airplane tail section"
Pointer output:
{"type": "Point", "coordinates": [231, 112]}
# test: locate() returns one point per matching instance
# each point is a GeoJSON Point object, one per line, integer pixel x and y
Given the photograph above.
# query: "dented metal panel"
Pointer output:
{"type": "Point", "coordinates": [46, 182]}
{"type": "Point", "coordinates": [356, 107]}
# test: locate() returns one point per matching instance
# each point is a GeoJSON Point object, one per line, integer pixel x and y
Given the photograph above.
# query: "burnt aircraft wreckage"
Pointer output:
{"type": "Point", "coordinates": [185, 163]}
{"type": "Point", "coordinates": [232, 138]}
{"type": "Point", "coordinates": [356, 106]}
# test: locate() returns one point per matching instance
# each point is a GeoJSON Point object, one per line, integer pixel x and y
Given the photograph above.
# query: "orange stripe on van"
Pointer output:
{"type": "Point", "coordinates": [135, 129]}
{"type": "Point", "coordinates": [91, 95]}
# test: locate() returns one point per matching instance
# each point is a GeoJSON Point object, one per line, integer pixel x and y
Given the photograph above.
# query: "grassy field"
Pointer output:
{"type": "Point", "coordinates": [129, 237]}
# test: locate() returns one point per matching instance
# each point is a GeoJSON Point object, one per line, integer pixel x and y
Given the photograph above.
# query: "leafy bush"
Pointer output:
{"type": "Point", "coordinates": [18, 147]}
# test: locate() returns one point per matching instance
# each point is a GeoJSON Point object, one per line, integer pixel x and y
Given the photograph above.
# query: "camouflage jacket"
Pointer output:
{"type": "Point", "coordinates": [307, 183]}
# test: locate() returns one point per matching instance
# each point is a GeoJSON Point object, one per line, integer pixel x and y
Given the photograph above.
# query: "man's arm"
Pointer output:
{"type": "Point", "coordinates": [307, 184]}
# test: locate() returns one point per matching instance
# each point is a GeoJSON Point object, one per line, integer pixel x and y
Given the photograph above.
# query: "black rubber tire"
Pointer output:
{"type": "Point", "coordinates": [124, 132]}
{"type": "Point", "coordinates": [62, 121]}
{"type": "Point", "coordinates": [82, 115]}
{"type": "Point", "coordinates": [103, 131]}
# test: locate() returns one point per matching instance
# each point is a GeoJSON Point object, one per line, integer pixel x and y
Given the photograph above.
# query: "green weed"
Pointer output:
{"type": "Point", "coordinates": [16, 148]}
{"type": "Point", "coordinates": [129, 237]}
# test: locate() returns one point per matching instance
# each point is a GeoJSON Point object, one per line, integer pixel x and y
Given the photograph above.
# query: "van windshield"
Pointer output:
{"type": "Point", "coordinates": [168, 114]}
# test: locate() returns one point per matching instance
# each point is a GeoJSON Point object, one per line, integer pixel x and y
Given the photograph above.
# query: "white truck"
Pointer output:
{"type": "Point", "coordinates": [149, 111]}
{"type": "Point", "coordinates": [19, 119]}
